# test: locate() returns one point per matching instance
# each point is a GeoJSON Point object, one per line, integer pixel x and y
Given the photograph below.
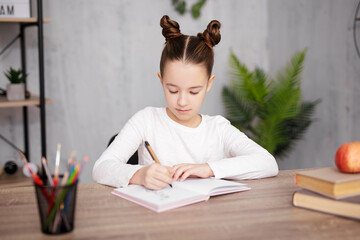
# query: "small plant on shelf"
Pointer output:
{"type": "Point", "coordinates": [15, 76]}
{"type": "Point", "coordinates": [15, 90]}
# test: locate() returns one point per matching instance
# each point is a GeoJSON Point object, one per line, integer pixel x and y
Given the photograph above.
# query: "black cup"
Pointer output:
{"type": "Point", "coordinates": [56, 207]}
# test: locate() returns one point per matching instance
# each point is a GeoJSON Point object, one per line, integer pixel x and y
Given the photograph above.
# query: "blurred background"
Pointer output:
{"type": "Point", "coordinates": [102, 59]}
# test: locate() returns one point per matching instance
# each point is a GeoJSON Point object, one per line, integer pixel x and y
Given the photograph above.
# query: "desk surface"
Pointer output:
{"type": "Point", "coordinates": [264, 212]}
{"type": "Point", "coordinates": [14, 180]}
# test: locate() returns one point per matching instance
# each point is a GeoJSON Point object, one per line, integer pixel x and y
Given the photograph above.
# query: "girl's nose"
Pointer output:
{"type": "Point", "coordinates": [182, 101]}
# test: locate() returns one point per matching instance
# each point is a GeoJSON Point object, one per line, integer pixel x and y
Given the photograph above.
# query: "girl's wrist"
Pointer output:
{"type": "Point", "coordinates": [137, 177]}
{"type": "Point", "coordinates": [211, 173]}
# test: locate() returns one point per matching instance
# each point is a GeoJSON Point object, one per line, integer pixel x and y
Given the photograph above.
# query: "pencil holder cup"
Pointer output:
{"type": "Point", "coordinates": [56, 207]}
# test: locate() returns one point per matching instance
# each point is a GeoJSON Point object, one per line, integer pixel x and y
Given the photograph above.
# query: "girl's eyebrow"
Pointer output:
{"type": "Point", "coordinates": [173, 85]}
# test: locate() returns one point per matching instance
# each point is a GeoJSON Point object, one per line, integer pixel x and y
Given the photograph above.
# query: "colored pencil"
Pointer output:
{"type": "Point", "coordinates": [35, 177]}
{"type": "Point", "coordinates": [85, 160]}
{"type": "Point", "coordinates": [72, 179]}
{"type": "Point", "coordinates": [47, 171]}
{"type": "Point", "coordinates": [57, 163]}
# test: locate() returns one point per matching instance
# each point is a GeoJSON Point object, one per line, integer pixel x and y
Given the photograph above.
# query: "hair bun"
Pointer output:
{"type": "Point", "coordinates": [171, 28]}
{"type": "Point", "coordinates": [211, 35]}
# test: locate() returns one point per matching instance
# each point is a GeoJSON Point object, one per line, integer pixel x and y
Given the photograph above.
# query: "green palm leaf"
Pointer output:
{"type": "Point", "coordinates": [295, 128]}
{"type": "Point", "coordinates": [240, 112]}
{"type": "Point", "coordinates": [249, 85]}
{"type": "Point", "coordinates": [270, 111]}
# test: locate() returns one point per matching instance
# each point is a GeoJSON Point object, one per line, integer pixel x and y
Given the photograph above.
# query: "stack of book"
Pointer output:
{"type": "Point", "coordinates": [329, 191]}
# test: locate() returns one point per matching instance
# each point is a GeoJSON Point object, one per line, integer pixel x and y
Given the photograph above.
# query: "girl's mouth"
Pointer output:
{"type": "Point", "coordinates": [182, 111]}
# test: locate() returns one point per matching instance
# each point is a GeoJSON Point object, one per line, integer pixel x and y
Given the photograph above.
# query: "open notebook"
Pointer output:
{"type": "Point", "coordinates": [182, 193]}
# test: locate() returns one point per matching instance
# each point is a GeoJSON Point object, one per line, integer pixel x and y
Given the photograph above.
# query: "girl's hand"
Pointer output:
{"type": "Point", "coordinates": [154, 176]}
{"type": "Point", "coordinates": [191, 170]}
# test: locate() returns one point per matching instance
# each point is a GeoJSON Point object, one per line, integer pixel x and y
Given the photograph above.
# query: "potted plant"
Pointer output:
{"type": "Point", "coordinates": [270, 111]}
{"type": "Point", "coordinates": [15, 90]}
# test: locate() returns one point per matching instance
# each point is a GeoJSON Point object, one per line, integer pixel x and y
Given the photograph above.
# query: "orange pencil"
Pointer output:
{"type": "Point", "coordinates": [152, 154]}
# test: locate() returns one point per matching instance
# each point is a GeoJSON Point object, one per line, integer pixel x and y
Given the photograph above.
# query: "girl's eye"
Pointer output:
{"type": "Point", "coordinates": [194, 93]}
{"type": "Point", "coordinates": [173, 92]}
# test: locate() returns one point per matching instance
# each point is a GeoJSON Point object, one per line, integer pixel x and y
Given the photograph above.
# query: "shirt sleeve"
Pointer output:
{"type": "Point", "coordinates": [247, 159]}
{"type": "Point", "coordinates": [111, 168]}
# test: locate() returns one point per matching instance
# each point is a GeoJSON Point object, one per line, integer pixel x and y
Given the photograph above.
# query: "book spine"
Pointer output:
{"type": "Point", "coordinates": [304, 201]}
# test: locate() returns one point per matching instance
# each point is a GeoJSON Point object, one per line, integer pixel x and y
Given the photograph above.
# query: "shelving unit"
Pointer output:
{"type": "Point", "coordinates": [23, 20]}
{"type": "Point", "coordinates": [40, 100]}
{"type": "Point", "coordinates": [34, 100]}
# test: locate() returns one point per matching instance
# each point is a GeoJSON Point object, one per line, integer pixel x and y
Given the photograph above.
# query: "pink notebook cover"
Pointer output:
{"type": "Point", "coordinates": [166, 207]}
{"type": "Point", "coordinates": [182, 194]}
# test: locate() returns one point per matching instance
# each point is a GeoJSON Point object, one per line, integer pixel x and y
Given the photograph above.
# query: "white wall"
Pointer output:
{"type": "Point", "coordinates": [331, 72]}
{"type": "Point", "coordinates": [101, 61]}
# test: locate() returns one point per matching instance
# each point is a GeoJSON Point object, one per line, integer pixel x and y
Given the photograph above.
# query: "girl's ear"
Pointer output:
{"type": "Point", "coordinates": [210, 82]}
{"type": "Point", "coordinates": [159, 75]}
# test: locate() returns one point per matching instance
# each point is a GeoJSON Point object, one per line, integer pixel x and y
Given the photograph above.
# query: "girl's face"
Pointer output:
{"type": "Point", "coordinates": [185, 86]}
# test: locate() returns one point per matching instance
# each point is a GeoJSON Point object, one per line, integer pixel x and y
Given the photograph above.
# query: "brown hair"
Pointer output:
{"type": "Point", "coordinates": [190, 49]}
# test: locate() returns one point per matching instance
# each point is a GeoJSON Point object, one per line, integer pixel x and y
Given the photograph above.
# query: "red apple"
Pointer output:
{"type": "Point", "coordinates": [347, 157]}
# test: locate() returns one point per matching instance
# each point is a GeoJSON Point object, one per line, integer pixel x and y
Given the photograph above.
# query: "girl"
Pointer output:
{"type": "Point", "coordinates": [188, 144]}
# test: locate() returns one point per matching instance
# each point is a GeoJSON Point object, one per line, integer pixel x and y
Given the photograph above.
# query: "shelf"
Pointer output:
{"type": "Point", "coordinates": [39, 101]}
{"type": "Point", "coordinates": [22, 20]}
{"type": "Point", "coordinates": [32, 101]}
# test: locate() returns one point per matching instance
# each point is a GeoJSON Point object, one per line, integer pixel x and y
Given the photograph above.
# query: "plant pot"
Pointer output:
{"type": "Point", "coordinates": [15, 92]}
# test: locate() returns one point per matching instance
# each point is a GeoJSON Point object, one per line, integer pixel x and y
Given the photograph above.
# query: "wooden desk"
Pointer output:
{"type": "Point", "coordinates": [15, 180]}
{"type": "Point", "coordinates": [265, 212]}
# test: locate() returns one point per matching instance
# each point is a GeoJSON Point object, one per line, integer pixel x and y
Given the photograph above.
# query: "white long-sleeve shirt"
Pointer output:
{"type": "Point", "coordinates": [229, 152]}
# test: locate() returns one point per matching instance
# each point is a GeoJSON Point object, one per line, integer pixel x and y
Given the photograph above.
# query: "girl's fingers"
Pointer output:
{"type": "Point", "coordinates": [163, 174]}
{"type": "Point", "coordinates": [165, 178]}
{"type": "Point", "coordinates": [157, 177]}
{"type": "Point", "coordinates": [170, 170]}
{"type": "Point", "coordinates": [189, 170]}
{"type": "Point", "coordinates": [185, 175]}
{"type": "Point", "coordinates": [156, 183]}
{"type": "Point", "coordinates": [160, 176]}
{"type": "Point", "coordinates": [179, 171]}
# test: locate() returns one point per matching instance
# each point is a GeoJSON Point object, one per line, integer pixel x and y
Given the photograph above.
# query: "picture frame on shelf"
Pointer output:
{"type": "Point", "coordinates": [15, 9]}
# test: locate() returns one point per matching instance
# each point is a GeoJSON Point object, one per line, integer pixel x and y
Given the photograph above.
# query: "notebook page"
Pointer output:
{"type": "Point", "coordinates": [159, 198]}
{"type": "Point", "coordinates": [210, 186]}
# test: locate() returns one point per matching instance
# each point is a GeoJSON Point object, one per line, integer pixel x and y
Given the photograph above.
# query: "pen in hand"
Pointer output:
{"type": "Point", "coordinates": [152, 154]}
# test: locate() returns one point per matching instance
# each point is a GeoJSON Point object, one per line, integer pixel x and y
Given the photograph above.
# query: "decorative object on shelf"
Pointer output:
{"type": "Point", "coordinates": [269, 111]}
{"type": "Point", "coordinates": [10, 167]}
{"type": "Point", "coordinates": [180, 7]}
{"type": "Point", "coordinates": [14, 8]}
{"type": "Point", "coordinates": [15, 90]}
